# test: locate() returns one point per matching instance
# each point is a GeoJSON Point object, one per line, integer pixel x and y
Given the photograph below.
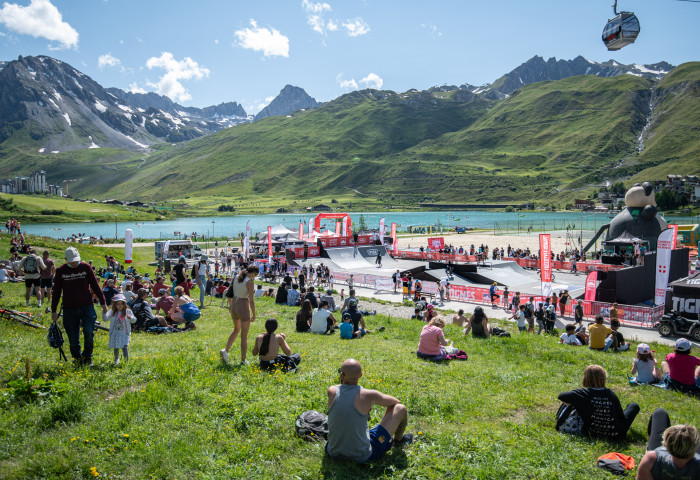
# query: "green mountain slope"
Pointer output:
{"type": "Point", "coordinates": [548, 142]}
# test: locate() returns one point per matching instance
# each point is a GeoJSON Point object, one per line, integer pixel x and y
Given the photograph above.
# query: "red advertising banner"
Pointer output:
{"type": "Point", "coordinates": [675, 236]}
{"type": "Point", "coordinates": [269, 243]}
{"type": "Point", "coordinates": [394, 243]}
{"type": "Point", "coordinates": [591, 284]}
{"type": "Point", "coordinates": [301, 231]}
{"type": "Point", "coordinates": [337, 228]}
{"type": "Point", "coordinates": [436, 243]}
{"type": "Point", "coordinates": [345, 241]}
{"type": "Point", "coordinates": [546, 257]}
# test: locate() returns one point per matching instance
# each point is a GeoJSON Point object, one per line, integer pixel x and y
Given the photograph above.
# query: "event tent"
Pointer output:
{"type": "Point", "coordinates": [625, 239]}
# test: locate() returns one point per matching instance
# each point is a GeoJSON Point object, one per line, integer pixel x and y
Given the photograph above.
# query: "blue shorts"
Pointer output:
{"type": "Point", "coordinates": [381, 442]}
{"type": "Point", "coordinates": [191, 317]}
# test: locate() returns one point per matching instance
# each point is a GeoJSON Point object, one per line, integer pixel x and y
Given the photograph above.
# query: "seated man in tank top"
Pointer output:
{"type": "Point", "coordinates": [349, 405]}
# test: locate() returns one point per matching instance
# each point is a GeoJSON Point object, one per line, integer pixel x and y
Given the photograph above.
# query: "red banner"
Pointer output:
{"type": "Point", "coordinates": [591, 284]}
{"type": "Point", "coordinates": [345, 241]}
{"type": "Point", "coordinates": [337, 228]}
{"type": "Point", "coordinates": [546, 257]}
{"type": "Point", "coordinates": [436, 243]}
{"type": "Point", "coordinates": [301, 231]}
{"type": "Point", "coordinates": [394, 243]}
{"type": "Point", "coordinates": [269, 243]}
{"type": "Point", "coordinates": [313, 252]}
{"type": "Point", "coordinates": [675, 236]}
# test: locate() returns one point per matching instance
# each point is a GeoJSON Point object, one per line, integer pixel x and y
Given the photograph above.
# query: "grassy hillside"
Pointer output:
{"type": "Point", "coordinates": [174, 411]}
{"type": "Point", "coordinates": [549, 142]}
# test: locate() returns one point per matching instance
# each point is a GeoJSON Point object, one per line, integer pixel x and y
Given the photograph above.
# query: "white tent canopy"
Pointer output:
{"type": "Point", "coordinates": [280, 229]}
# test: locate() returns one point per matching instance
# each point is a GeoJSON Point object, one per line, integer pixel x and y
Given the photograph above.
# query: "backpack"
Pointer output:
{"type": "Point", "coordinates": [529, 310]}
{"type": "Point", "coordinates": [312, 425]}
{"type": "Point", "coordinates": [194, 271]}
{"type": "Point", "coordinates": [30, 265]}
{"type": "Point", "coordinates": [55, 338]}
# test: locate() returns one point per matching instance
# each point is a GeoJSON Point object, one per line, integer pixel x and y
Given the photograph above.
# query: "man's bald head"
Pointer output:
{"type": "Point", "coordinates": [352, 370]}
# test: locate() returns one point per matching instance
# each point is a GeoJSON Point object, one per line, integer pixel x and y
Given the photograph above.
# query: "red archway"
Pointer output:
{"type": "Point", "coordinates": [317, 220]}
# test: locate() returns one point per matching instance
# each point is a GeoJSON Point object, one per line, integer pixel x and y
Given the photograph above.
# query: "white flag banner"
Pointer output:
{"type": "Point", "coordinates": [246, 240]}
{"type": "Point", "coordinates": [166, 247]}
{"type": "Point", "coordinates": [664, 247]}
{"type": "Point", "coordinates": [381, 231]}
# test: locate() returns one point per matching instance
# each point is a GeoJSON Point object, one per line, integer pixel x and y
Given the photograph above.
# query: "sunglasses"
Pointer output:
{"type": "Point", "coordinates": [340, 371]}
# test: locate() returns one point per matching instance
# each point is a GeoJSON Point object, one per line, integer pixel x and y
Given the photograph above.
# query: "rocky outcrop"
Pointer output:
{"type": "Point", "coordinates": [289, 100]}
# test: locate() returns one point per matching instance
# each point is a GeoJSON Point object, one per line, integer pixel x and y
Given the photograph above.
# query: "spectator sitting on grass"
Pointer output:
{"type": "Point", "coordinates": [347, 332]}
{"type": "Point", "coordinates": [143, 313]}
{"type": "Point", "coordinates": [351, 297]}
{"type": "Point", "coordinates": [459, 319]}
{"type": "Point", "coordinates": [328, 297]}
{"type": "Point", "coordinates": [268, 345]}
{"type": "Point", "coordinates": [417, 315]}
{"type": "Point", "coordinates": [598, 333]}
{"type": "Point", "coordinates": [293, 296]}
{"type": "Point", "coordinates": [681, 370]}
{"type": "Point", "coordinates": [673, 452]}
{"type": "Point", "coordinates": [281, 296]}
{"type": "Point", "coordinates": [615, 339]}
{"type": "Point", "coordinates": [478, 324]}
{"type": "Point", "coordinates": [259, 292]}
{"type": "Point", "coordinates": [599, 408]}
{"type": "Point", "coordinates": [322, 321]}
{"type": "Point", "coordinates": [311, 296]}
{"type": "Point", "coordinates": [569, 337]}
{"type": "Point", "coordinates": [349, 406]}
{"type": "Point", "coordinates": [304, 316]}
{"type": "Point", "coordinates": [432, 341]}
{"type": "Point", "coordinates": [358, 320]}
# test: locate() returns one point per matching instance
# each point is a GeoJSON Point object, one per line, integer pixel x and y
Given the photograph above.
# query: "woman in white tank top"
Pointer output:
{"type": "Point", "coordinates": [242, 310]}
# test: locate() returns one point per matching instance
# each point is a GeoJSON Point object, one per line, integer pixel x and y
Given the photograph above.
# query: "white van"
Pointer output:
{"type": "Point", "coordinates": [176, 249]}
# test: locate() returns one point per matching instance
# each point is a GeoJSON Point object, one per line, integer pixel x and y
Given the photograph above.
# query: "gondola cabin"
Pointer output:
{"type": "Point", "coordinates": [621, 31]}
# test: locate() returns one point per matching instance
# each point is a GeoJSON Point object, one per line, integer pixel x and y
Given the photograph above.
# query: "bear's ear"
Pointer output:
{"type": "Point", "coordinates": [647, 188]}
{"type": "Point", "coordinates": [637, 185]}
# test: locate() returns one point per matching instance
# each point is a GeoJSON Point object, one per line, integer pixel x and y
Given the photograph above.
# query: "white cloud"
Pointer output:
{"type": "Point", "coordinates": [372, 81]}
{"type": "Point", "coordinates": [107, 60]}
{"type": "Point", "coordinates": [356, 27]}
{"type": "Point", "coordinates": [39, 19]}
{"type": "Point", "coordinates": [432, 28]}
{"type": "Point", "coordinates": [267, 40]}
{"type": "Point", "coordinates": [134, 88]}
{"type": "Point", "coordinates": [2, 34]}
{"type": "Point", "coordinates": [316, 8]}
{"type": "Point", "coordinates": [216, 41]}
{"type": "Point", "coordinates": [176, 70]}
{"type": "Point", "coordinates": [349, 84]}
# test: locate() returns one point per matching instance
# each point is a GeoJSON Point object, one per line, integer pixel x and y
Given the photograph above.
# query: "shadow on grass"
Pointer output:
{"type": "Point", "coordinates": [391, 462]}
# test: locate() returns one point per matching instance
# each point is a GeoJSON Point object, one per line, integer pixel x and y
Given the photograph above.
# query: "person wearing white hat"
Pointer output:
{"type": "Point", "coordinates": [681, 369]}
{"type": "Point", "coordinates": [645, 365]}
{"type": "Point", "coordinates": [74, 281]}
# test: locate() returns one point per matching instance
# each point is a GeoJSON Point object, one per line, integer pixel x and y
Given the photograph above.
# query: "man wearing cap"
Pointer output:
{"type": "Point", "coordinates": [202, 270]}
{"type": "Point", "coordinates": [349, 406]}
{"type": "Point", "coordinates": [74, 280]}
{"type": "Point", "coordinates": [681, 369]}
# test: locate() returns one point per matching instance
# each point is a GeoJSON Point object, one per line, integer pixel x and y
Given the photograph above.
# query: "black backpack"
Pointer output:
{"type": "Point", "coordinates": [55, 338]}
{"type": "Point", "coordinates": [312, 425]}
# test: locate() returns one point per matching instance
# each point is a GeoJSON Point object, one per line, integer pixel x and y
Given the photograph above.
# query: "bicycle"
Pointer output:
{"type": "Point", "coordinates": [24, 318]}
{"type": "Point", "coordinates": [98, 326]}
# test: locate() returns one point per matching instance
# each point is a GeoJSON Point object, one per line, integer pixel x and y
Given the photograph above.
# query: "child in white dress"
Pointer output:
{"type": "Point", "coordinates": [120, 320]}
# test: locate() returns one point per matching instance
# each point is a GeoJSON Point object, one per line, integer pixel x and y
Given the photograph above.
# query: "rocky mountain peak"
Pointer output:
{"type": "Point", "coordinates": [289, 99]}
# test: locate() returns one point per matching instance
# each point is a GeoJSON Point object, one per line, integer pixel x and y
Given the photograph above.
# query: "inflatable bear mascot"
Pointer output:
{"type": "Point", "coordinates": [639, 218]}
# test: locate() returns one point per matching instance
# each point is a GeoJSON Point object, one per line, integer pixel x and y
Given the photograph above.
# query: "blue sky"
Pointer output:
{"type": "Point", "coordinates": [206, 52]}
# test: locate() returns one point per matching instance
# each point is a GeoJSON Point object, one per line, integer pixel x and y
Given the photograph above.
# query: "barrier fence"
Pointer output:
{"type": "Point", "coordinates": [631, 315]}
{"type": "Point", "coordinates": [588, 266]}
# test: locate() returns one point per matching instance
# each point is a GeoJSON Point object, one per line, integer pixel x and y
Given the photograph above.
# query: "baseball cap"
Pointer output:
{"type": "Point", "coordinates": [682, 344]}
{"type": "Point", "coordinates": [329, 291]}
{"type": "Point", "coordinates": [161, 291]}
{"type": "Point", "coordinates": [429, 306]}
{"type": "Point", "coordinates": [643, 348]}
{"type": "Point", "coordinates": [118, 298]}
{"type": "Point", "coordinates": [352, 303]}
{"type": "Point", "coordinates": [347, 315]}
{"type": "Point", "coordinates": [72, 255]}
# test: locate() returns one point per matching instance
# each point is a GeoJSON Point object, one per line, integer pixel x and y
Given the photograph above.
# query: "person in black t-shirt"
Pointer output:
{"type": "Point", "coordinates": [179, 276]}
{"type": "Point", "coordinates": [599, 407]}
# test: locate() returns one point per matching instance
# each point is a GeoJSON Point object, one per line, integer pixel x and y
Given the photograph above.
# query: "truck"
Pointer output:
{"type": "Point", "coordinates": [176, 249]}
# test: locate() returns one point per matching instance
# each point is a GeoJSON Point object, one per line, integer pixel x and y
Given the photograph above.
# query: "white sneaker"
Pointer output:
{"type": "Point", "coordinates": [224, 355]}
{"type": "Point", "coordinates": [117, 361]}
